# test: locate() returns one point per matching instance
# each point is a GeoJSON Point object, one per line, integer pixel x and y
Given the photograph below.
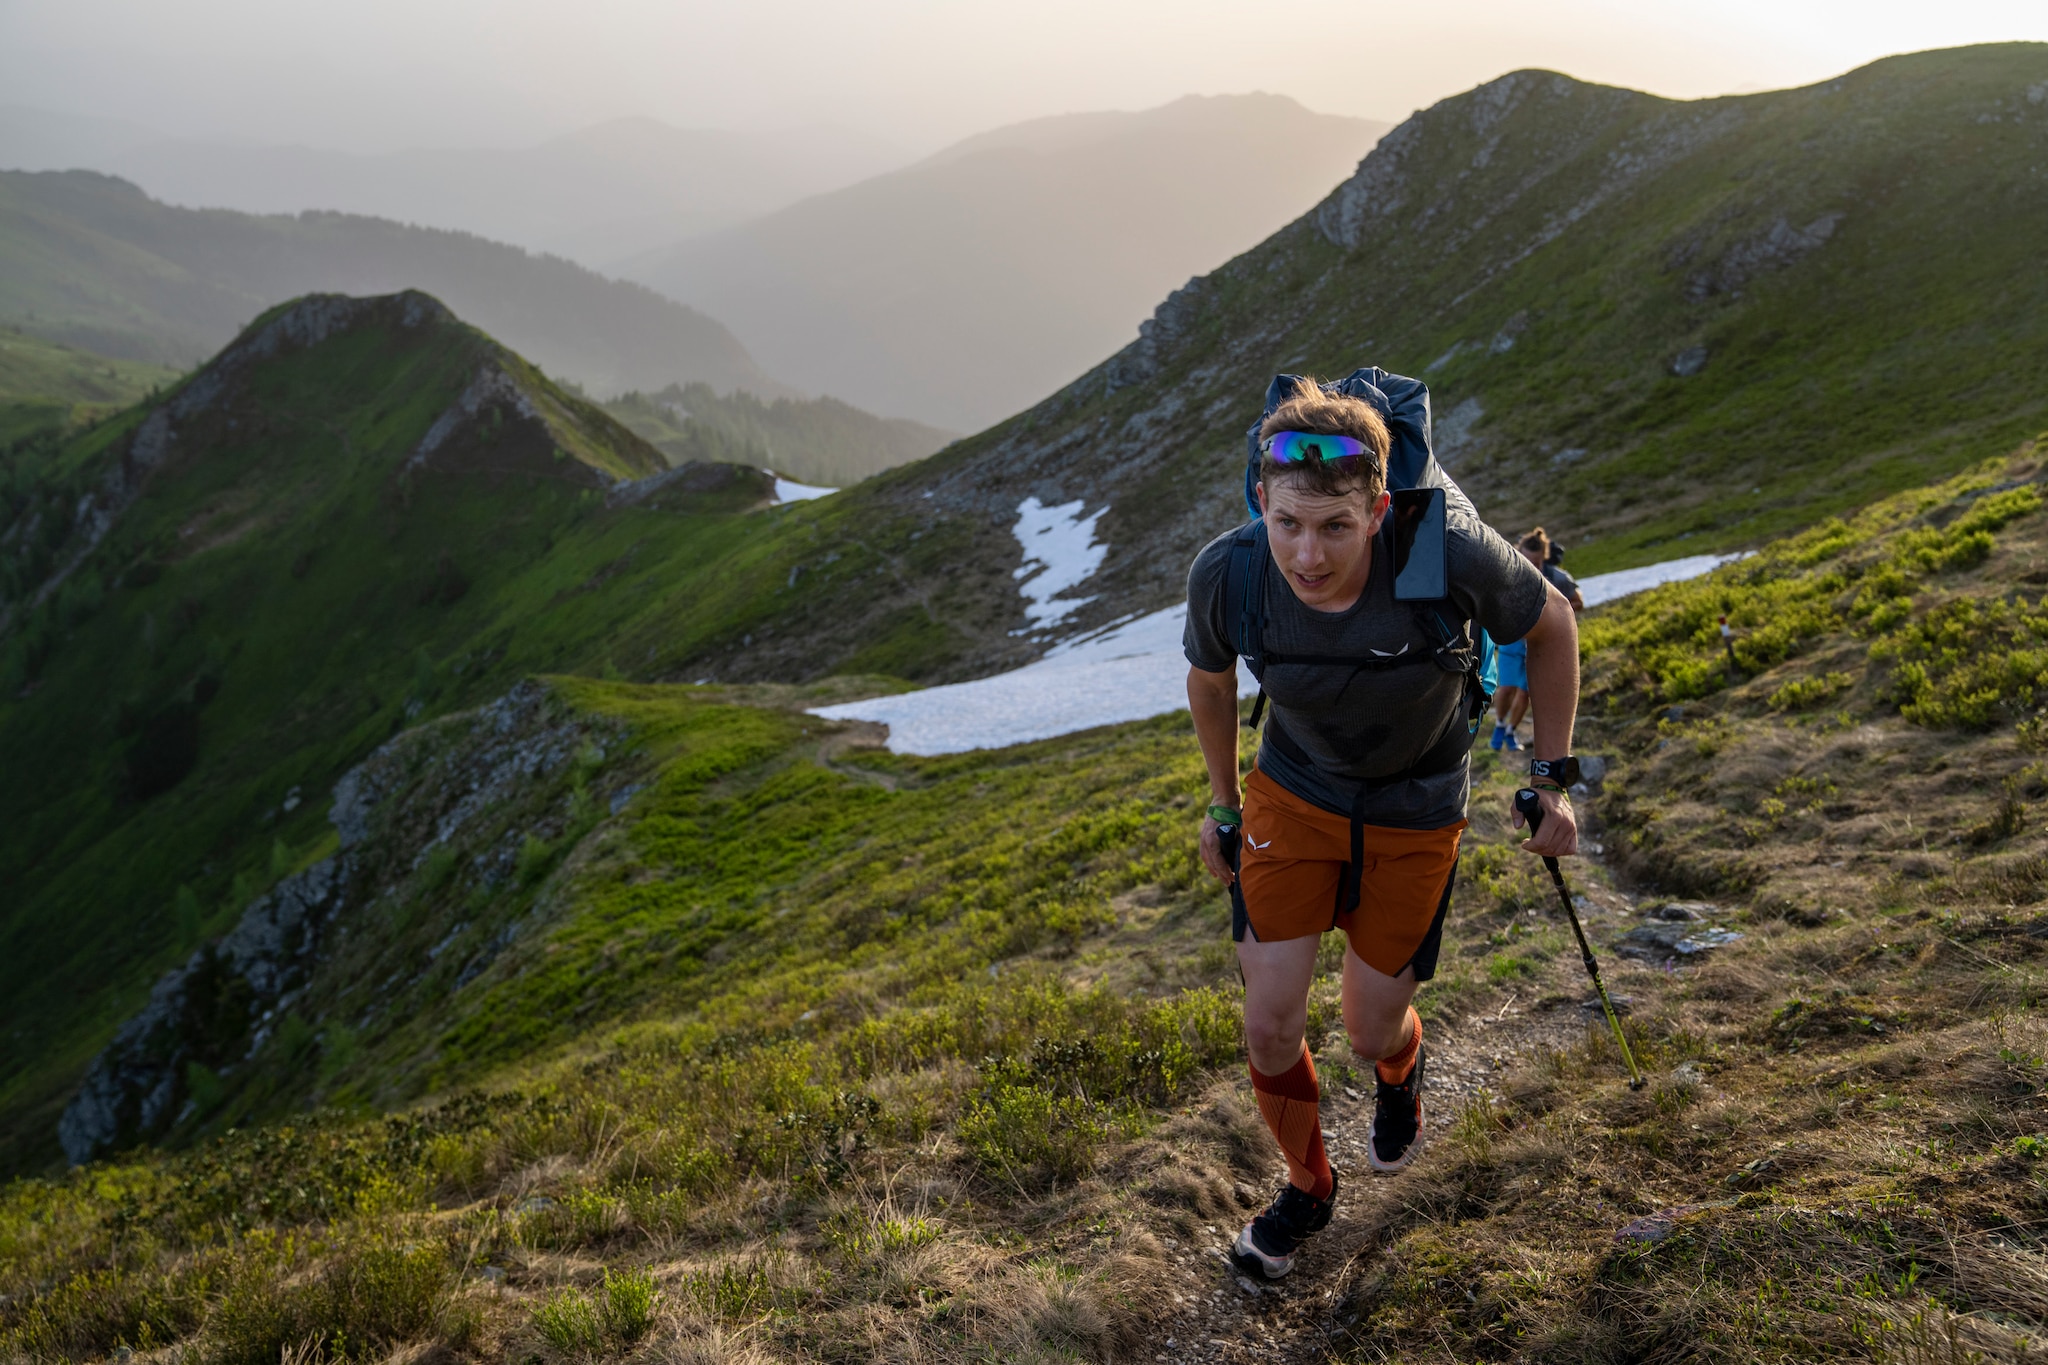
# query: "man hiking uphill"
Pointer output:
{"type": "Point", "coordinates": [1352, 817]}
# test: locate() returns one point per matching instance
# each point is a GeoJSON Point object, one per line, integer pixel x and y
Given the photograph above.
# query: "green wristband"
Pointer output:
{"type": "Point", "coordinates": [1224, 815]}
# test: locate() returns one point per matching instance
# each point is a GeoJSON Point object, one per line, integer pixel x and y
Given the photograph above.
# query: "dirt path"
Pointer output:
{"type": "Point", "coordinates": [1225, 1317]}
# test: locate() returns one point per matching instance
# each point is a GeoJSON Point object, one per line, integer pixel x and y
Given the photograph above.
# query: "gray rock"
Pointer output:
{"type": "Point", "coordinates": [1774, 248]}
{"type": "Point", "coordinates": [1654, 1228]}
{"type": "Point", "coordinates": [1689, 362]}
{"type": "Point", "coordinates": [222, 1004]}
{"type": "Point", "coordinates": [1660, 942]}
{"type": "Point", "coordinates": [1680, 912]}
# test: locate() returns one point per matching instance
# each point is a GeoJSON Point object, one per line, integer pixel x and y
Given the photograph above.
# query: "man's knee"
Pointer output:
{"type": "Point", "coordinates": [1380, 1035]}
{"type": "Point", "coordinates": [1270, 1034]}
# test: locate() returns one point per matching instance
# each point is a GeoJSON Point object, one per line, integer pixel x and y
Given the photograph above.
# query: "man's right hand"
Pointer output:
{"type": "Point", "coordinates": [1212, 852]}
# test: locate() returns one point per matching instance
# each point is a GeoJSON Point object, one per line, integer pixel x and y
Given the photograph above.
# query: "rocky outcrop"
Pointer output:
{"type": "Point", "coordinates": [156, 440]}
{"type": "Point", "coordinates": [191, 1017]}
{"type": "Point", "coordinates": [1776, 247]}
{"type": "Point", "coordinates": [445, 783]}
{"type": "Point", "coordinates": [491, 388]}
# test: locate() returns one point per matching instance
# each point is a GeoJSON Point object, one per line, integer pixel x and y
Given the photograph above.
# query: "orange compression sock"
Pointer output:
{"type": "Point", "coordinates": [1288, 1102]}
{"type": "Point", "coordinates": [1394, 1070]}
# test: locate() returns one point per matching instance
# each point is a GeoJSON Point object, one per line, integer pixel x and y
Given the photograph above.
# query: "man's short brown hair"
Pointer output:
{"type": "Point", "coordinates": [1537, 543]}
{"type": "Point", "coordinates": [1331, 414]}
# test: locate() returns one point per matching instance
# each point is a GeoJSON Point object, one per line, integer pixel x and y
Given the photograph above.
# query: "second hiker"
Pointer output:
{"type": "Point", "coordinates": [1511, 696]}
{"type": "Point", "coordinates": [1350, 820]}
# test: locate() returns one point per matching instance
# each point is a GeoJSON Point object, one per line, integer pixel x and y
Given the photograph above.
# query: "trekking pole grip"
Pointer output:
{"type": "Point", "coordinates": [1531, 808]}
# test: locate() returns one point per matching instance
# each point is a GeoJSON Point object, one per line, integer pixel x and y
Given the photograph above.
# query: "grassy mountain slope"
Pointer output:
{"type": "Point", "coordinates": [1544, 252]}
{"type": "Point", "coordinates": [227, 595]}
{"type": "Point", "coordinates": [46, 386]}
{"type": "Point", "coordinates": [816, 441]}
{"type": "Point", "coordinates": [92, 262]}
{"type": "Point", "coordinates": [962, 288]}
{"type": "Point", "coordinates": [942, 1060]}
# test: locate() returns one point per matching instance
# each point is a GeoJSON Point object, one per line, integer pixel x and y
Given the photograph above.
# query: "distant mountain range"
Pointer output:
{"type": "Point", "coordinates": [967, 286]}
{"type": "Point", "coordinates": [597, 196]}
{"type": "Point", "coordinates": [92, 261]}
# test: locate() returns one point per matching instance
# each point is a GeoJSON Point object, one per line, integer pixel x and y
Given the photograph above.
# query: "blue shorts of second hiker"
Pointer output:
{"type": "Point", "coordinates": [1514, 665]}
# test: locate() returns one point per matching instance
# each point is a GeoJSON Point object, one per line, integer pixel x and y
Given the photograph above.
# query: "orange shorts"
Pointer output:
{"type": "Point", "coordinates": [1291, 860]}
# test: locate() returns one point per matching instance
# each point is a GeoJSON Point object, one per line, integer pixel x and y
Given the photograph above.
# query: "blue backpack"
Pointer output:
{"type": "Point", "coordinates": [1460, 647]}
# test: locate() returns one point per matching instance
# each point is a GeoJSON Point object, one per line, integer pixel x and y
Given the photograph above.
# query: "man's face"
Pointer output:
{"type": "Point", "coordinates": [1322, 543]}
{"type": "Point", "coordinates": [1531, 555]}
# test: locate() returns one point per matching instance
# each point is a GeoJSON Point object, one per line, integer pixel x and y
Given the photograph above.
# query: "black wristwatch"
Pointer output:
{"type": "Point", "coordinates": [1563, 771]}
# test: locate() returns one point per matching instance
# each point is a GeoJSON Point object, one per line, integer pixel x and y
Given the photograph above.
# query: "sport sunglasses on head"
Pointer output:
{"type": "Point", "coordinates": [1298, 447]}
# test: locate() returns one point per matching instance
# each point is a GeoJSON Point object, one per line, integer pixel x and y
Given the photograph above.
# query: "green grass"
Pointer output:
{"type": "Point", "coordinates": [261, 619]}
{"type": "Point", "coordinates": [940, 1049]}
{"type": "Point", "coordinates": [47, 389]}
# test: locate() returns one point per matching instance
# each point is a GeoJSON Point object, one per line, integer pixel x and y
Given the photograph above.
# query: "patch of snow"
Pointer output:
{"type": "Point", "coordinates": [1060, 552]}
{"type": "Point", "coordinates": [1129, 672]}
{"type": "Point", "coordinates": [1605, 587]}
{"type": "Point", "coordinates": [1132, 670]}
{"type": "Point", "coordinates": [789, 490]}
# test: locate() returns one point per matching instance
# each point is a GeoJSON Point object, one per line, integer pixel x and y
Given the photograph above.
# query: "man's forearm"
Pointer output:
{"type": "Point", "coordinates": [1215, 712]}
{"type": "Point", "coordinates": [1554, 677]}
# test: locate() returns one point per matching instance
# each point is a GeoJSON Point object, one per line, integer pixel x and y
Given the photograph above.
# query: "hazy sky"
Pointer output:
{"type": "Point", "coordinates": [378, 74]}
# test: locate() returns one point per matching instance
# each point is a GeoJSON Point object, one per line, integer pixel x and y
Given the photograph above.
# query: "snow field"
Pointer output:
{"type": "Point", "coordinates": [1131, 670]}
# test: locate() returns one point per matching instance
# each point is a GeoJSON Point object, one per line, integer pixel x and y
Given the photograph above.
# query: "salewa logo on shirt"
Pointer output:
{"type": "Point", "coordinates": [1390, 653]}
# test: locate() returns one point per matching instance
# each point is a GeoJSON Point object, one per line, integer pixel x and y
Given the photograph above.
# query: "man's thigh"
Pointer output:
{"type": "Point", "coordinates": [1277, 977]}
{"type": "Point", "coordinates": [1404, 893]}
{"type": "Point", "coordinates": [1291, 857]}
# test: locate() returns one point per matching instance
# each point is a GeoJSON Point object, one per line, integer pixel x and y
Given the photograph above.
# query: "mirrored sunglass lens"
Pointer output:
{"type": "Point", "coordinates": [1290, 447]}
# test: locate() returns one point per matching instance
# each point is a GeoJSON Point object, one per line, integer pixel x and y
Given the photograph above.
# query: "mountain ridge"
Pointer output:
{"type": "Point", "coordinates": [91, 260]}
{"type": "Point", "coordinates": [361, 510]}
{"type": "Point", "coordinates": [596, 194]}
{"type": "Point", "coordinates": [965, 286]}
{"type": "Point", "coordinates": [1626, 307]}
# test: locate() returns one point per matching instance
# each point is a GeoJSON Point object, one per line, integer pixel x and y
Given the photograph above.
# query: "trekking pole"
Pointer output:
{"type": "Point", "coordinates": [1531, 809]}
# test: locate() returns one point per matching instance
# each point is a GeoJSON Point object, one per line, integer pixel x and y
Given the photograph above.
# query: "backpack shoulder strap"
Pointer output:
{"type": "Point", "coordinates": [1244, 594]}
{"type": "Point", "coordinates": [1244, 604]}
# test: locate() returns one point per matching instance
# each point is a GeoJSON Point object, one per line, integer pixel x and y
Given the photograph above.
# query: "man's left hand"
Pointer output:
{"type": "Point", "coordinates": [1559, 835]}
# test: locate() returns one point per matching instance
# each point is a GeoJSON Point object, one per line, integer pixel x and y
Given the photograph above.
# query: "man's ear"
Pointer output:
{"type": "Point", "coordinates": [1261, 487]}
{"type": "Point", "coordinates": [1378, 513]}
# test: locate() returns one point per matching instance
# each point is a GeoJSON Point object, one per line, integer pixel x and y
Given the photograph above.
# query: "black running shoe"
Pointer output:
{"type": "Point", "coordinates": [1397, 1121]}
{"type": "Point", "coordinates": [1267, 1246]}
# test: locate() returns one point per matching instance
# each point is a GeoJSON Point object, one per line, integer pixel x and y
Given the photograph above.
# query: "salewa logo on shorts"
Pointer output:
{"type": "Point", "coordinates": [1256, 844]}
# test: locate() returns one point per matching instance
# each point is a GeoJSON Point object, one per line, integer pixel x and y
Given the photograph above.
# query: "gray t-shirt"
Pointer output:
{"type": "Point", "coordinates": [1361, 726]}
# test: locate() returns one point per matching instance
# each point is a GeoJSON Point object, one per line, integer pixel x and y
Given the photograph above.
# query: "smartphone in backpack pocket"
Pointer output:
{"type": "Point", "coordinates": [1416, 516]}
